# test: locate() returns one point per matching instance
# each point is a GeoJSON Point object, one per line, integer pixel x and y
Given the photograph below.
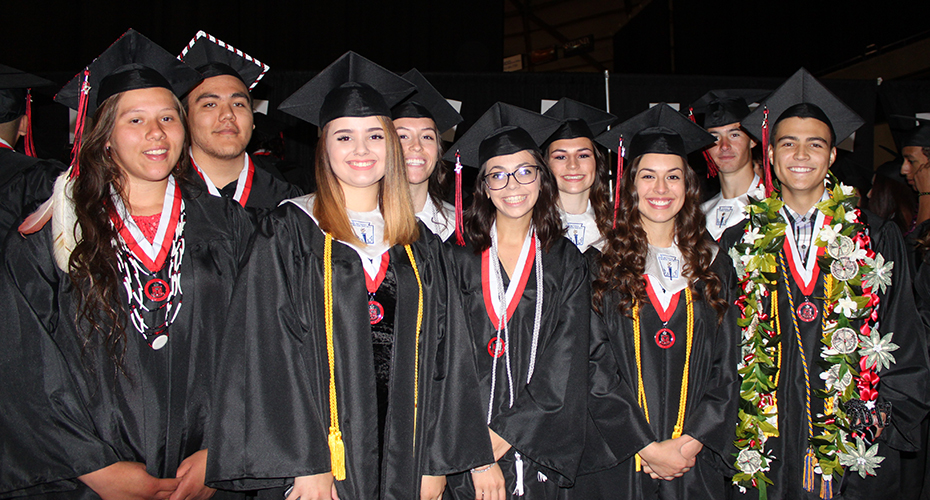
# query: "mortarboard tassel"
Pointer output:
{"type": "Point", "coordinates": [30, 146]}
{"type": "Point", "coordinates": [459, 225]}
{"type": "Point", "coordinates": [766, 164]}
{"type": "Point", "coordinates": [619, 175]}
{"type": "Point", "coordinates": [79, 125]}
{"type": "Point", "coordinates": [711, 166]}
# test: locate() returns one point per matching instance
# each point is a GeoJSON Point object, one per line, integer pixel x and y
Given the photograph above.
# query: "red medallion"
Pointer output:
{"type": "Point", "coordinates": [665, 338]}
{"type": "Point", "coordinates": [496, 347]}
{"type": "Point", "coordinates": [375, 312]}
{"type": "Point", "coordinates": [157, 290]}
{"type": "Point", "coordinates": [807, 311]}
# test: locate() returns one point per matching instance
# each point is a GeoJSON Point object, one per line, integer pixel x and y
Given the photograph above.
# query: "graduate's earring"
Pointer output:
{"type": "Point", "coordinates": [109, 155]}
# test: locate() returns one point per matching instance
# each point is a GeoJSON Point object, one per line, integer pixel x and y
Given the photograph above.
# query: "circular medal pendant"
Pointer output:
{"type": "Point", "coordinates": [159, 342]}
{"type": "Point", "coordinates": [157, 290]}
{"type": "Point", "coordinates": [844, 341]}
{"type": "Point", "coordinates": [496, 347]}
{"type": "Point", "coordinates": [842, 246]}
{"type": "Point", "coordinates": [844, 269]}
{"type": "Point", "coordinates": [375, 312]}
{"type": "Point", "coordinates": [807, 311]}
{"type": "Point", "coordinates": [665, 338]}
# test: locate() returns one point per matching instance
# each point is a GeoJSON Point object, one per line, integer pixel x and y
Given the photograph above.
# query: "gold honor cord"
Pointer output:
{"type": "Point", "coordinates": [416, 358]}
{"type": "Point", "coordinates": [683, 394]}
{"type": "Point", "coordinates": [337, 451]}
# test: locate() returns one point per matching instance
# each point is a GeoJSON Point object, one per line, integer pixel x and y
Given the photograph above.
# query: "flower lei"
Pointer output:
{"type": "Point", "coordinates": [851, 359]}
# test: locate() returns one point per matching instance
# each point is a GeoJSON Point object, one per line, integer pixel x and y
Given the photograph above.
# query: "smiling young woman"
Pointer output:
{"type": "Point", "coordinates": [525, 291]}
{"type": "Point", "coordinates": [115, 306]}
{"type": "Point", "coordinates": [667, 338]}
{"type": "Point", "coordinates": [344, 318]}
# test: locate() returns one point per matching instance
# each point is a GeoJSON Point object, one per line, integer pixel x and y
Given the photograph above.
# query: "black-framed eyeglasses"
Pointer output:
{"type": "Point", "coordinates": [523, 175]}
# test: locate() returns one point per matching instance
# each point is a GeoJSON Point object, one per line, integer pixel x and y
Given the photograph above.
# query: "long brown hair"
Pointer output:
{"type": "Point", "coordinates": [481, 214]}
{"type": "Point", "coordinates": [329, 208]}
{"type": "Point", "coordinates": [623, 260]}
{"type": "Point", "coordinates": [93, 265]}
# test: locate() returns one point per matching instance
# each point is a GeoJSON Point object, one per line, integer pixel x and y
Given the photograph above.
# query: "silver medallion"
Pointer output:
{"type": "Point", "coordinates": [844, 341]}
{"type": "Point", "coordinates": [842, 246]}
{"type": "Point", "coordinates": [844, 269]}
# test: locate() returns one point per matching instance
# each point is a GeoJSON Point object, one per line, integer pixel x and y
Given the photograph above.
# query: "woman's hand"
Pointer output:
{"type": "Point", "coordinates": [664, 460]}
{"type": "Point", "coordinates": [129, 481]}
{"type": "Point", "coordinates": [315, 487]}
{"type": "Point", "coordinates": [498, 445]}
{"type": "Point", "coordinates": [431, 487]}
{"type": "Point", "coordinates": [489, 483]}
{"type": "Point", "coordinates": [191, 473]}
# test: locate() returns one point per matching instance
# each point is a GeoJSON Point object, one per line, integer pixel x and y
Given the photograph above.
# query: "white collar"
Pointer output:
{"type": "Point", "coordinates": [372, 223]}
{"type": "Point", "coordinates": [240, 182]}
{"type": "Point", "coordinates": [582, 229]}
{"type": "Point", "coordinates": [664, 267]}
{"type": "Point", "coordinates": [7, 144]}
{"type": "Point", "coordinates": [441, 221]}
{"type": "Point", "coordinates": [723, 213]}
{"type": "Point", "coordinates": [806, 267]}
{"type": "Point", "coordinates": [515, 278]}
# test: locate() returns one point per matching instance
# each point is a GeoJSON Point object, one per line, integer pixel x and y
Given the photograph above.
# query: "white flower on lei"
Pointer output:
{"type": "Point", "coordinates": [833, 382]}
{"type": "Point", "coordinates": [847, 190]}
{"type": "Point", "coordinates": [846, 306]}
{"type": "Point", "coordinates": [752, 236]}
{"type": "Point", "coordinates": [880, 275]}
{"type": "Point", "coordinates": [861, 460]}
{"type": "Point", "coordinates": [850, 216]}
{"type": "Point", "coordinates": [749, 461]}
{"type": "Point", "coordinates": [878, 349]}
{"type": "Point", "coordinates": [829, 234]}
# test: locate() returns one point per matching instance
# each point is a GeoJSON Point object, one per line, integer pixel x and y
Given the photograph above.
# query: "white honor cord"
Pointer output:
{"type": "Point", "coordinates": [518, 464]}
{"type": "Point", "coordinates": [502, 320]}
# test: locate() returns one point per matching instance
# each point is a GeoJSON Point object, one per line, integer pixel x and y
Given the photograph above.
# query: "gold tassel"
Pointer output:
{"type": "Point", "coordinates": [639, 463]}
{"type": "Point", "coordinates": [809, 462]}
{"type": "Point", "coordinates": [337, 454]}
{"type": "Point", "coordinates": [826, 487]}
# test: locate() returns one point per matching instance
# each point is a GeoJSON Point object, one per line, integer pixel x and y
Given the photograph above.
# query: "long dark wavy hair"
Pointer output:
{"type": "Point", "coordinates": [623, 259]}
{"type": "Point", "coordinates": [481, 214]}
{"type": "Point", "coordinates": [93, 264]}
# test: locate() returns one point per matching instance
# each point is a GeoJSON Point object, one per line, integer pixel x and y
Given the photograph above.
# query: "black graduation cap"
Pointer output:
{"type": "Point", "coordinates": [502, 130]}
{"type": "Point", "coordinates": [350, 86]}
{"type": "Point", "coordinates": [892, 170]}
{"type": "Point", "coordinates": [14, 86]}
{"type": "Point", "coordinates": [660, 129]}
{"type": "Point", "coordinates": [426, 102]}
{"type": "Point", "coordinates": [911, 130]}
{"type": "Point", "coordinates": [578, 120]}
{"type": "Point", "coordinates": [803, 96]}
{"type": "Point", "coordinates": [132, 62]}
{"type": "Point", "coordinates": [723, 107]}
{"type": "Point", "coordinates": [213, 57]}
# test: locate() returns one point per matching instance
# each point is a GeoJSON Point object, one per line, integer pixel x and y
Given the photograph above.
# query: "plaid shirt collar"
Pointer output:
{"type": "Point", "coordinates": [802, 226]}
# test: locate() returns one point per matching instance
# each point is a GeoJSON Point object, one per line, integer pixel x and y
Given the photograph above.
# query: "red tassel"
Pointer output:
{"type": "Point", "coordinates": [617, 182]}
{"type": "Point", "coordinates": [30, 147]}
{"type": "Point", "coordinates": [459, 225]}
{"type": "Point", "coordinates": [711, 166]}
{"type": "Point", "coordinates": [766, 164]}
{"type": "Point", "coordinates": [79, 125]}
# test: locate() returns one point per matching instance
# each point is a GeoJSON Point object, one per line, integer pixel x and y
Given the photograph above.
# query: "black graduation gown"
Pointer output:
{"type": "Point", "coordinates": [25, 183]}
{"type": "Point", "coordinates": [61, 420]}
{"type": "Point", "coordinates": [546, 424]}
{"type": "Point", "coordinates": [275, 373]}
{"type": "Point", "coordinates": [712, 399]}
{"type": "Point", "coordinates": [904, 384]}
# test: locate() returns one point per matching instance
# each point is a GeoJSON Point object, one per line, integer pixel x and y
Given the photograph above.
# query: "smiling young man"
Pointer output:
{"type": "Point", "coordinates": [731, 156]}
{"type": "Point", "coordinates": [815, 421]}
{"type": "Point", "coordinates": [219, 116]}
